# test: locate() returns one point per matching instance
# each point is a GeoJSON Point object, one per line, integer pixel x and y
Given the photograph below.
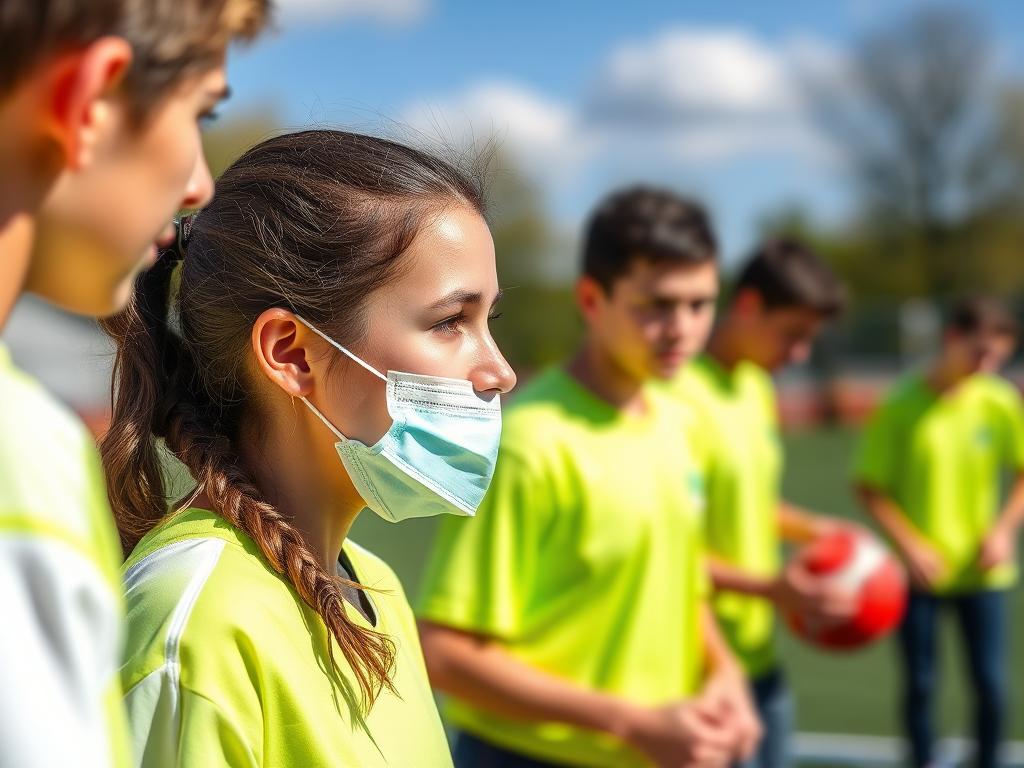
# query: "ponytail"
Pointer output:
{"type": "Point", "coordinates": [143, 382]}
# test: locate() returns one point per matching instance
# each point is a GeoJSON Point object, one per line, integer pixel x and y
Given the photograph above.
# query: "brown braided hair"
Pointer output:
{"type": "Point", "coordinates": [312, 222]}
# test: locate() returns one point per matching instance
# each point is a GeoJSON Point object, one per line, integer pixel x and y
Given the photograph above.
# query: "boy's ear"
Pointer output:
{"type": "Point", "coordinates": [75, 105]}
{"type": "Point", "coordinates": [589, 294]}
{"type": "Point", "coordinates": [747, 302]}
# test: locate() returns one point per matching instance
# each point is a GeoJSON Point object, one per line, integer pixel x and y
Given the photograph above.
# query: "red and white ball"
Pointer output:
{"type": "Point", "coordinates": [861, 564]}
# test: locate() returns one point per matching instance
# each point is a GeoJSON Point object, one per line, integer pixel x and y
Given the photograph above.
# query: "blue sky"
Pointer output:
{"type": "Point", "coordinates": [586, 95]}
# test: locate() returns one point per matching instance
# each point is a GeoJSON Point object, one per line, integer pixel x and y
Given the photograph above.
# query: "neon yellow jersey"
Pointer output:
{"type": "Point", "coordinates": [744, 466]}
{"type": "Point", "coordinates": [939, 458]}
{"type": "Point", "coordinates": [585, 560]}
{"type": "Point", "coordinates": [227, 666]}
{"type": "Point", "coordinates": [61, 601]}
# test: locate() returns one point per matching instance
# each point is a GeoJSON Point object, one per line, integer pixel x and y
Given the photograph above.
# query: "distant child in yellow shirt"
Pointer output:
{"type": "Point", "coordinates": [929, 472]}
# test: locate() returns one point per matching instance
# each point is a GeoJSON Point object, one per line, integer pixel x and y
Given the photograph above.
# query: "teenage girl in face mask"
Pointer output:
{"type": "Point", "coordinates": [316, 344]}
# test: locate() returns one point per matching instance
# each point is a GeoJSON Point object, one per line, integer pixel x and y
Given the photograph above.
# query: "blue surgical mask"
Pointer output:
{"type": "Point", "coordinates": [439, 454]}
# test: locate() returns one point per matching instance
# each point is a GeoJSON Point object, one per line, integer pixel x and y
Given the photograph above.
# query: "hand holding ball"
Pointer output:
{"type": "Point", "coordinates": [856, 563]}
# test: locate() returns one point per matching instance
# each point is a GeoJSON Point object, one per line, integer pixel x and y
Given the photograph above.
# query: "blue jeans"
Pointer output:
{"type": "Point", "coordinates": [473, 752]}
{"type": "Point", "coordinates": [774, 704]}
{"type": "Point", "coordinates": [982, 620]}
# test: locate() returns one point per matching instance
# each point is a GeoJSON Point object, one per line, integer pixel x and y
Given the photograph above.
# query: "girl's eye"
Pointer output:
{"type": "Point", "coordinates": [450, 324]}
{"type": "Point", "coordinates": [495, 316]}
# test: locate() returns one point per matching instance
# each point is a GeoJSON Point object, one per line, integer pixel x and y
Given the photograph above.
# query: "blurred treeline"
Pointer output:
{"type": "Point", "coordinates": [928, 133]}
{"type": "Point", "coordinates": [931, 135]}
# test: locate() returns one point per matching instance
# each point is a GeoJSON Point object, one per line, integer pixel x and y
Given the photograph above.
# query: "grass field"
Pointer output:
{"type": "Point", "coordinates": [854, 693]}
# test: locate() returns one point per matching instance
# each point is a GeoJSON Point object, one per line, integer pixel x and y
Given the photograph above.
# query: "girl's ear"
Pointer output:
{"type": "Point", "coordinates": [279, 342]}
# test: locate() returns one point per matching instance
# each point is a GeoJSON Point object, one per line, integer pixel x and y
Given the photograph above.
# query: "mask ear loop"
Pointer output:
{"type": "Point", "coordinates": [338, 346]}
{"type": "Point", "coordinates": [323, 418]}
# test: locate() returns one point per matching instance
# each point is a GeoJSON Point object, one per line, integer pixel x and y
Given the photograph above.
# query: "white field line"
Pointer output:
{"type": "Point", "coordinates": [827, 748]}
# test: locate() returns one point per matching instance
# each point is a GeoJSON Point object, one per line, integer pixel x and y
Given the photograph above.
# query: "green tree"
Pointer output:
{"type": "Point", "coordinates": [224, 141]}
{"type": "Point", "coordinates": [539, 323]}
{"type": "Point", "coordinates": [917, 113]}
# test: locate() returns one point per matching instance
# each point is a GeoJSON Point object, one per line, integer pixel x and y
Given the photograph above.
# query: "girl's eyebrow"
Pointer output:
{"type": "Point", "coordinates": [461, 296]}
{"type": "Point", "coordinates": [458, 296]}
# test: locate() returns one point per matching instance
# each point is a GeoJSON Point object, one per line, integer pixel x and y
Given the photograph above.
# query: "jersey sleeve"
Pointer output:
{"type": "Point", "coordinates": [702, 576]}
{"type": "Point", "coordinates": [59, 697]}
{"type": "Point", "coordinates": [174, 725]}
{"type": "Point", "coordinates": [877, 452]}
{"type": "Point", "coordinates": [700, 441]}
{"type": "Point", "coordinates": [481, 570]}
{"type": "Point", "coordinates": [1012, 430]}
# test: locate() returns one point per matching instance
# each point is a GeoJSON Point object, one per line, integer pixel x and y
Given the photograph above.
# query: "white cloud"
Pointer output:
{"type": "Point", "coordinates": [688, 74]}
{"type": "Point", "coordinates": [688, 97]}
{"type": "Point", "coordinates": [540, 134]}
{"type": "Point", "coordinates": [391, 12]}
{"type": "Point", "coordinates": [709, 95]}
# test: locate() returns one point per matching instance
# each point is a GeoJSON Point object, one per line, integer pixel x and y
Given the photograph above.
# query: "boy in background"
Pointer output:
{"type": "Point", "coordinates": [928, 471]}
{"type": "Point", "coordinates": [784, 295]}
{"type": "Point", "coordinates": [568, 622]}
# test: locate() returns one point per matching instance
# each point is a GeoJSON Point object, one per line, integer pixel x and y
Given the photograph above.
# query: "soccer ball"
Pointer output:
{"type": "Point", "coordinates": [860, 563]}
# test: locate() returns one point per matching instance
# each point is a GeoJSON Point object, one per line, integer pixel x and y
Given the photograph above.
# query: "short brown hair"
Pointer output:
{"type": "Point", "coordinates": [982, 314]}
{"type": "Point", "coordinates": [787, 274]}
{"type": "Point", "coordinates": [170, 39]}
{"type": "Point", "coordinates": [645, 222]}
